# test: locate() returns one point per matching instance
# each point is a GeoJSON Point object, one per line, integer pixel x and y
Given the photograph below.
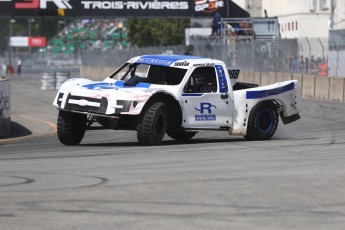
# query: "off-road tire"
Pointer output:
{"type": "Point", "coordinates": [71, 127]}
{"type": "Point", "coordinates": [152, 124]}
{"type": "Point", "coordinates": [262, 122]}
{"type": "Point", "coordinates": [181, 135]}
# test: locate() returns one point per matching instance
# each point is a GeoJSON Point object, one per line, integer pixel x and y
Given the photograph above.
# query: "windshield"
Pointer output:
{"type": "Point", "coordinates": [133, 74]}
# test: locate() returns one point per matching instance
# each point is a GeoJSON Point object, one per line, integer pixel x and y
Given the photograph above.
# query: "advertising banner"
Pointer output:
{"type": "Point", "coordinates": [122, 8]}
{"type": "Point", "coordinates": [5, 95]}
{"type": "Point", "coordinates": [27, 41]}
{"type": "Point", "coordinates": [37, 41]}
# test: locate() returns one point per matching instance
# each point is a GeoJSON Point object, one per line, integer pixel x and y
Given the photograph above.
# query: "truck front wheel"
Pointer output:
{"type": "Point", "coordinates": [152, 124]}
{"type": "Point", "coordinates": [71, 127]}
{"type": "Point", "coordinates": [262, 122]}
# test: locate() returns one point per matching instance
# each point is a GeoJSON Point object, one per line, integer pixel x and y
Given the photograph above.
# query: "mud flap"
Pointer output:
{"type": "Point", "coordinates": [288, 120]}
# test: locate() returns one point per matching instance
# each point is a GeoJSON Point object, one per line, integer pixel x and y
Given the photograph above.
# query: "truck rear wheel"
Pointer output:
{"type": "Point", "coordinates": [181, 135]}
{"type": "Point", "coordinates": [152, 124]}
{"type": "Point", "coordinates": [262, 122]}
{"type": "Point", "coordinates": [71, 127]}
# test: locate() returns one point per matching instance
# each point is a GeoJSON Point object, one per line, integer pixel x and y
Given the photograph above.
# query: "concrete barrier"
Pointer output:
{"type": "Point", "coordinates": [284, 77]}
{"type": "Point", "coordinates": [257, 78]}
{"type": "Point", "coordinates": [264, 79]}
{"type": "Point", "coordinates": [299, 78]}
{"type": "Point", "coordinates": [248, 77]}
{"type": "Point", "coordinates": [5, 107]}
{"type": "Point", "coordinates": [336, 89]}
{"type": "Point", "coordinates": [96, 74]}
{"type": "Point", "coordinates": [322, 87]}
{"type": "Point", "coordinates": [241, 76]}
{"type": "Point", "coordinates": [308, 86]}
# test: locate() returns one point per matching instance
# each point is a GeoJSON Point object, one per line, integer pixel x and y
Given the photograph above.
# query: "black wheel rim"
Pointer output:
{"type": "Point", "coordinates": [264, 120]}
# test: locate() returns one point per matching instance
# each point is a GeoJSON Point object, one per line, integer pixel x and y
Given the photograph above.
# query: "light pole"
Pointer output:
{"type": "Point", "coordinates": [60, 22]}
{"type": "Point", "coordinates": [10, 43]}
{"type": "Point", "coordinates": [30, 21]}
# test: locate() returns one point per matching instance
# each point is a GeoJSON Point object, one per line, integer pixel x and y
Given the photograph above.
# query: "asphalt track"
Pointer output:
{"type": "Point", "coordinates": [216, 181]}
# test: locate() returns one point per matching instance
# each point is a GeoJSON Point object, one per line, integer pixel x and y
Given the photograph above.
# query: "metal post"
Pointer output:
{"type": "Point", "coordinates": [323, 48]}
{"type": "Point", "coordinates": [9, 43]}
{"type": "Point", "coordinates": [308, 52]}
{"type": "Point", "coordinates": [30, 21]}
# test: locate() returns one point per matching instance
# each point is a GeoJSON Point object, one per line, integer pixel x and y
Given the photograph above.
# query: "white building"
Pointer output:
{"type": "Point", "coordinates": [297, 19]}
{"type": "Point", "coordinates": [338, 17]}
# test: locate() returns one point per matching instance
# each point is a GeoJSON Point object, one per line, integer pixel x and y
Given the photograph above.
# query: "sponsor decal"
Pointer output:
{"type": "Point", "coordinates": [4, 104]}
{"type": "Point", "coordinates": [155, 61]}
{"type": "Point", "coordinates": [136, 5]}
{"type": "Point", "coordinates": [116, 85]}
{"type": "Point", "coordinates": [203, 64]}
{"type": "Point", "coordinates": [223, 84]}
{"type": "Point", "coordinates": [42, 4]}
{"type": "Point", "coordinates": [208, 6]}
{"type": "Point", "coordinates": [181, 63]}
{"type": "Point", "coordinates": [206, 113]}
{"type": "Point", "coordinates": [37, 41]}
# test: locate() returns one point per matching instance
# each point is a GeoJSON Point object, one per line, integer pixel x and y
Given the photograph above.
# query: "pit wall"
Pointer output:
{"type": "Point", "coordinates": [327, 88]}
{"type": "Point", "coordinates": [5, 107]}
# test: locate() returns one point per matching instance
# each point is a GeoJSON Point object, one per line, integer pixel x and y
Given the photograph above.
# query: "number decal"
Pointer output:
{"type": "Point", "coordinates": [234, 73]}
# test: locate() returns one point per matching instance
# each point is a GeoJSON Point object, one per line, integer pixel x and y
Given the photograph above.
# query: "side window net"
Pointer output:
{"type": "Point", "coordinates": [202, 80]}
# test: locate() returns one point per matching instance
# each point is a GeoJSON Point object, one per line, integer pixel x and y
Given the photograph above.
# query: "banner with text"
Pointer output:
{"type": "Point", "coordinates": [124, 8]}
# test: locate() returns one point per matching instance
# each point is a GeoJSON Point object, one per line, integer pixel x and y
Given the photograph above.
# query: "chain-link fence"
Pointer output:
{"type": "Point", "coordinates": [306, 56]}
{"type": "Point", "coordinates": [325, 57]}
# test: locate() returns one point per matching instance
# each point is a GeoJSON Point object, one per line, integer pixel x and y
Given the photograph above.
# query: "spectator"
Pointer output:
{"type": "Point", "coordinates": [313, 66]}
{"type": "Point", "coordinates": [294, 65]}
{"type": "Point", "coordinates": [4, 69]}
{"type": "Point", "coordinates": [323, 71]}
{"type": "Point", "coordinates": [19, 66]}
{"type": "Point", "coordinates": [306, 65]}
{"type": "Point", "coordinates": [216, 24]}
{"type": "Point", "coordinates": [301, 64]}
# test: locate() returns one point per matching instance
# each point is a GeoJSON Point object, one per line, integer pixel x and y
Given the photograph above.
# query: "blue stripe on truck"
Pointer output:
{"type": "Point", "coordinates": [269, 92]}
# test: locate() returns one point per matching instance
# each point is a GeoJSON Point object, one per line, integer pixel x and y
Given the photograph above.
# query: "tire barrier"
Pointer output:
{"type": "Point", "coordinates": [5, 107]}
{"type": "Point", "coordinates": [53, 81]}
{"type": "Point", "coordinates": [61, 77]}
{"type": "Point", "coordinates": [48, 81]}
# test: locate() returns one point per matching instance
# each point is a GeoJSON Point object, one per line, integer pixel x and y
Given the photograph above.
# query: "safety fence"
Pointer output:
{"type": "Point", "coordinates": [304, 56]}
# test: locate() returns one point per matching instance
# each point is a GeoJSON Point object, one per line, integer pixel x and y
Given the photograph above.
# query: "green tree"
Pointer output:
{"type": "Point", "coordinates": [156, 32]}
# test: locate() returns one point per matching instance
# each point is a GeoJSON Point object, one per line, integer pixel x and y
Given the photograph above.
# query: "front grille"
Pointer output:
{"type": "Point", "coordinates": [91, 109]}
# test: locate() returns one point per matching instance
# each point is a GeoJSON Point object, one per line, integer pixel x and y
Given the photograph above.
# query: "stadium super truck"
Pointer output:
{"type": "Point", "coordinates": [177, 95]}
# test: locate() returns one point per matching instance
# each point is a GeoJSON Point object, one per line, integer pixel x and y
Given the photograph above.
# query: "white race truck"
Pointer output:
{"type": "Point", "coordinates": [175, 95]}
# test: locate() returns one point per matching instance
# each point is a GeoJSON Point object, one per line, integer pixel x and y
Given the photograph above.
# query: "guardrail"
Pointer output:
{"type": "Point", "coordinates": [5, 107]}
{"type": "Point", "coordinates": [328, 88]}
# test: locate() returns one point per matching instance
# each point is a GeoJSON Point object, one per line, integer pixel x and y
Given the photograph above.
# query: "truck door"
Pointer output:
{"type": "Point", "coordinates": [205, 99]}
